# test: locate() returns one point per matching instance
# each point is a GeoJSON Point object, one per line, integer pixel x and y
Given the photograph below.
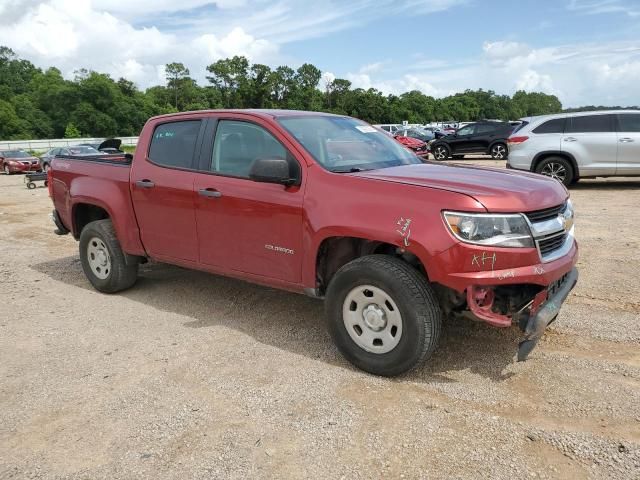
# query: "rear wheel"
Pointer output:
{"type": "Point", "coordinates": [558, 168]}
{"type": "Point", "coordinates": [382, 315]}
{"type": "Point", "coordinates": [499, 151]}
{"type": "Point", "coordinates": [103, 260]}
{"type": "Point", "coordinates": [6, 170]}
{"type": "Point", "coordinates": [441, 152]}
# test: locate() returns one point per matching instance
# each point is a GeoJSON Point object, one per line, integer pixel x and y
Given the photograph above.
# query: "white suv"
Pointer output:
{"type": "Point", "coordinates": [571, 146]}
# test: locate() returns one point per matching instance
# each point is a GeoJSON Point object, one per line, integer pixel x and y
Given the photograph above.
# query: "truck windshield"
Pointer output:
{"type": "Point", "coordinates": [344, 144]}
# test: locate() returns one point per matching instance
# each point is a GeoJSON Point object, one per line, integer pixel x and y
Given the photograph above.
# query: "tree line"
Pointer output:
{"type": "Point", "coordinates": [43, 104]}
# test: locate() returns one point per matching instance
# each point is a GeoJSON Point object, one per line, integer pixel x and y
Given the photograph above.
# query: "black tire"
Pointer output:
{"type": "Point", "coordinates": [457, 157]}
{"type": "Point", "coordinates": [499, 151]}
{"type": "Point", "coordinates": [420, 313]}
{"type": "Point", "coordinates": [441, 152]}
{"type": "Point", "coordinates": [559, 168]}
{"type": "Point", "coordinates": [120, 276]}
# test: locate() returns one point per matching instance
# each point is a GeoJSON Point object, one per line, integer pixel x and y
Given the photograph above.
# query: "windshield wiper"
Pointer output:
{"type": "Point", "coordinates": [351, 170]}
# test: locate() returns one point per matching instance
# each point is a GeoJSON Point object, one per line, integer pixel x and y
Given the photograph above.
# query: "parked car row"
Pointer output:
{"type": "Point", "coordinates": [19, 161]}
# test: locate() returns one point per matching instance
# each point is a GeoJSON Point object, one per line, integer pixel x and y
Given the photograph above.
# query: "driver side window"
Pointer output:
{"type": "Point", "coordinates": [238, 144]}
{"type": "Point", "coordinates": [468, 130]}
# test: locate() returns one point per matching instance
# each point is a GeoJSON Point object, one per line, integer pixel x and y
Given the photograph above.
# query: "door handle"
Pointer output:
{"type": "Point", "coordinates": [570, 139]}
{"type": "Point", "coordinates": [145, 184]}
{"type": "Point", "coordinates": [626, 140]}
{"type": "Point", "coordinates": [209, 192]}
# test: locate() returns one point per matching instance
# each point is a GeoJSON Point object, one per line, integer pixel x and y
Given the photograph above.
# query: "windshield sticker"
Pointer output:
{"type": "Point", "coordinates": [366, 128]}
{"type": "Point", "coordinates": [164, 135]}
{"type": "Point", "coordinates": [404, 230]}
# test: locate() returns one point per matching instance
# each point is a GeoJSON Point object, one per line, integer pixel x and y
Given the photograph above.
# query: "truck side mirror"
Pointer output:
{"type": "Point", "coordinates": [271, 170]}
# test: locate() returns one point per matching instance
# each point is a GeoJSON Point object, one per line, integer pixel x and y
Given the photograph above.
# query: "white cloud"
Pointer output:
{"type": "Point", "coordinates": [98, 40]}
{"type": "Point", "coordinates": [599, 7]}
{"type": "Point", "coordinates": [603, 73]}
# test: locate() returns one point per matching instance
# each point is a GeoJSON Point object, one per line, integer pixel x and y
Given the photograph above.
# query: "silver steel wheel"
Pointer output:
{"type": "Point", "coordinates": [6, 170]}
{"type": "Point", "coordinates": [99, 258]}
{"type": "Point", "coordinates": [499, 152]}
{"type": "Point", "coordinates": [440, 153]}
{"type": "Point", "coordinates": [555, 170]}
{"type": "Point", "coordinates": [372, 319]}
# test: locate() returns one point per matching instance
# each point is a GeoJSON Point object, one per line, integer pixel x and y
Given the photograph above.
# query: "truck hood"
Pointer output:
{"type": "Point", "coordinates": [498, 190]}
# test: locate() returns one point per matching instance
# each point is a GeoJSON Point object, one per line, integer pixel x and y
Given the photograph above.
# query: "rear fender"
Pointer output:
{"type": "Point", "coordinates": [116, 201]}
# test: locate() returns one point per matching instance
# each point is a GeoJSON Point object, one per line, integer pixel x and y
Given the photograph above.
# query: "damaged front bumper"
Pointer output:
{"type": "Point", "coordinates": [543, 311]}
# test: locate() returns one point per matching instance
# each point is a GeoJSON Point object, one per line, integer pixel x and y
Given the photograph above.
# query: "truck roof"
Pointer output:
{"type": "Point", "coordinates": [264, 112]}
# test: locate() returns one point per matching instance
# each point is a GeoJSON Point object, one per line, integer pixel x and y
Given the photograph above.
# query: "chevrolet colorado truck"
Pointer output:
{"type": "Point", "coordinates": [328, 206]}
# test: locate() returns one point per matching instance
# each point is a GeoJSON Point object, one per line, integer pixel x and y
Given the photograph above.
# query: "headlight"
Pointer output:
{"type": "Point", "coordinates": [490, 229]}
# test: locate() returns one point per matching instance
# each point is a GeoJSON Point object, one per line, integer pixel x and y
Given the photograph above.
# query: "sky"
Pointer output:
{"type": "Point", "coordinates": [587, 52]}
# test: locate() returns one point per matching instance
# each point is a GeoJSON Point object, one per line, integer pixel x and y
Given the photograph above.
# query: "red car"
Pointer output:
{"type": "Point", "coordinates": [417, 146]}
{"type": "Point", "coordinates": [18, 161]}
{"type": "Point", "coordinates": [328, 206]}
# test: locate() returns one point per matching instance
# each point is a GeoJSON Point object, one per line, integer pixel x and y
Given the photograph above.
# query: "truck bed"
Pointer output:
{"type": "Point", "coordinates": [102, 181]}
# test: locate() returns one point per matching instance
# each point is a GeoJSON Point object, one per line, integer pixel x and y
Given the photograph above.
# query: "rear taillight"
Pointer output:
{"type": "Point", "coordinates": [515, 140]}
{"type": "Point", "coordinates": [50, 182]}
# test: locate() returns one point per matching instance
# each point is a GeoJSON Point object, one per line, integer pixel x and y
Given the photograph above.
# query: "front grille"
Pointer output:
{"type": "Point", "coordinates": [551, 243]}
{"type": "Point", "coordinates": [546, 214]}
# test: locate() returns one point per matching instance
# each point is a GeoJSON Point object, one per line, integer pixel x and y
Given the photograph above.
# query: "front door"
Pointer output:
{"type": "Point", "coordinates": [162, 191]}
{"type": "Point", "coordinates": [628, 144]}
{"type": "Point", "coordinates": [247, 226]}
{"type": "Point", "coordinates": [461, 140]}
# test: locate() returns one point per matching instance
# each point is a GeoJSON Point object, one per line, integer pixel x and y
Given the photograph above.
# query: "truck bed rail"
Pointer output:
{"type": "Point", "coordinates": [112, 158]}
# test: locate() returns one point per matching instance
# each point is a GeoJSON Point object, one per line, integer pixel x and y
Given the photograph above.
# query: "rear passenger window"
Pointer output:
{"type": "Point", "coordinates": [629, 122]}
{"type": "Point", "coordinates": [589, 124]}
{"type": "Point", "coordinates": [551, 126]}
{"type": "Point", "coordinates": [173, 144]}
{"type": "Point", "coordinates": [238, 144]}
{"type": "Point", "coordinates": [484, 128]}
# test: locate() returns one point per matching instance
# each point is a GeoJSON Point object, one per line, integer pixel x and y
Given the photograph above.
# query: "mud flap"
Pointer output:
{"type": "Point", "coordinates": [546, 314]}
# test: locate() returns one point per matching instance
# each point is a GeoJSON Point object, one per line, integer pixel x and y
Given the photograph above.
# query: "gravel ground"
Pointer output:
{"type": "Point", "coordinates": [189, 375]}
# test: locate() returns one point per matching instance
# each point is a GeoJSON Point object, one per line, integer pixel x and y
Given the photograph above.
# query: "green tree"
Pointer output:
{"type": "Point", "coordinates": [176, 73]}
{"type": "Point", "coordinates": [71, 131]}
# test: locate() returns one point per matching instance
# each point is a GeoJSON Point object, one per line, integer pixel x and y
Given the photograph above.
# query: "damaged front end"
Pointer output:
{"type": "Point", "coordinates": [531, 307]}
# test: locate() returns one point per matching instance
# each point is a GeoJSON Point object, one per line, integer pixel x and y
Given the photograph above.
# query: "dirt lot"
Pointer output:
{"type": "Point", "coordinates": [188, 375]}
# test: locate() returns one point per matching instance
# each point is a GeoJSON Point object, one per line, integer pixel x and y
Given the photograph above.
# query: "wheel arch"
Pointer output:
{"type": "Point", "coordinates": [539, 157]}
{"type": "Point", "coordinates": [335, 251]}
{"type": "Point", "coordinates": [85, 212]}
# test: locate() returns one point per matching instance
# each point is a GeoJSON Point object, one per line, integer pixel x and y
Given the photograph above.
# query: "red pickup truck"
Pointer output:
{"type": "Point", "coordinates": [328, 206]}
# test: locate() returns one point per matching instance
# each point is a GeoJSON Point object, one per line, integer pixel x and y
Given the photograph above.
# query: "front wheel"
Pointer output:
{"type": "Point", "coordinates": [103, 260]}
{"type": "Point", "coordinates": [441, 152]}
{"type": "Point", "coordinates": [558, 168]}
{"type": "Point", "coordinates": [7, 171]}
{"type": "Point", "coordinates": [499, 151]}
{"type": "Point", "coordinates": [382, 315]}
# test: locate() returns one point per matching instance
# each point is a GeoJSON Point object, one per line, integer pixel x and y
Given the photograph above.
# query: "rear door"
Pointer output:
{"type": "Point", "coordinates": [628, 144]}
{"type": "Point", "coordinates": [484, 135]}
{"type": "Point", "coordinates": [246, 226]}
{"type": "Point", "coordinates": [162, 189]}
{"type": "Point", "coordinates": [593, 142]}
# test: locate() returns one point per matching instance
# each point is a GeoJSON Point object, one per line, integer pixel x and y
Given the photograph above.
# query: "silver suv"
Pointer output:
{"type": "Point", "coordinates": [571, 146]}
